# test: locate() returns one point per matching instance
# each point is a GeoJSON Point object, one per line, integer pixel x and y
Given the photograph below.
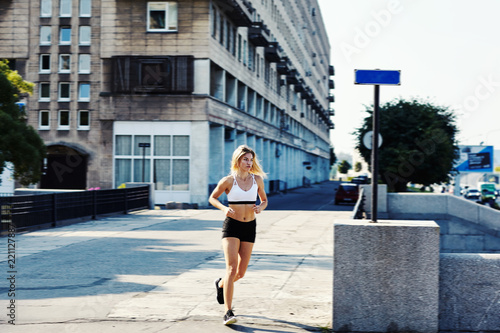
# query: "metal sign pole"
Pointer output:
{"type": "Point", "coordinates": [376, 77]}
{"type": "Point", "coordinates": [375, 125]}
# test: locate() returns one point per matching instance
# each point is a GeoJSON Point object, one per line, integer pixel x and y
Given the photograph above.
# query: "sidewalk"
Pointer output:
{"type": "Point", "coordinates": [153, 271]}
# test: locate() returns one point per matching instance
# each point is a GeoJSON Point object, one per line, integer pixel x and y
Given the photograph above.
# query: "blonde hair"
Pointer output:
{"type": "Point", "coordinates": [238, 155]}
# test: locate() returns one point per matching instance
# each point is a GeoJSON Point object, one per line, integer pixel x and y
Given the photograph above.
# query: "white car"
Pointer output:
{"type": "Point", "coordinates": [473, 194]}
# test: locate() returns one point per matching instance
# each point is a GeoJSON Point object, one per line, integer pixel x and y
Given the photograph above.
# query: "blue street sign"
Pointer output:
{"type": "Point", "coordinates": [377, 76]}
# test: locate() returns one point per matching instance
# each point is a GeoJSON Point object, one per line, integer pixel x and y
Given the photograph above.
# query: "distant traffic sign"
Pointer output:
{"type": "Point", "coordinates": [377, 76]}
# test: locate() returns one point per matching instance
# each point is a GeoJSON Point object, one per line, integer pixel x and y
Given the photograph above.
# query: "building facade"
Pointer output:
{"type": "Point", "coordinates": [164, 91]}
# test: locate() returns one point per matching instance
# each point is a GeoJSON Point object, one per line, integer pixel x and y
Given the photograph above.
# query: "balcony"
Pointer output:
{"type": "Point", "coordinates": [283, 66]}
{"type": "Point", "coordinates": [258, 34]}
{"type": "Point", "coordinates": [272, 52]}
{"type": "Point", "coordinates": [331, 98]}
{"type": "Point", "coordinates": [292, 77]}
{"type": "Point", "coordinates": [299, 87]}
{"type": "Point", "coordinates": [331, 112]}
{"type": "Point", "coordinates": [152, 75]}
{"type": "Point", "coordinates": [239, 11]}
{"type": "Point", "coordinates": [331, 70]}
{"type": "Point", "coordinates": [331, 84]}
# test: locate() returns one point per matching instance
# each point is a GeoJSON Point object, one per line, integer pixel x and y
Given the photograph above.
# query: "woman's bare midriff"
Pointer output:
{"type": "Point", "coordinates": [243, 212]}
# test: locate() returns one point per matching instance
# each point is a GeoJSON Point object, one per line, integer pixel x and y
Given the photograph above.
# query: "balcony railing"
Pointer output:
{"type": "Point", "coordinates": [258, 34]}
{"type": "Point", "coordinates": [272, 52]}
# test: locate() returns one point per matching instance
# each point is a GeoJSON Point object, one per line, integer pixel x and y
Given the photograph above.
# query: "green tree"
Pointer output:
{"type": "Point", "coordinates": [19, 142]}
{"type": "Point", "coordinates": [419, 143]}
{"type": "Point", "coordinates": [358, 166]}
{"type": "Point", "coordinates": [344, 167]}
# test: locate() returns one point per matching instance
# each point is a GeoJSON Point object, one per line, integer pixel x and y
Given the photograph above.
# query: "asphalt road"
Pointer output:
{"type": "Point", "coordinates": [319, 197]}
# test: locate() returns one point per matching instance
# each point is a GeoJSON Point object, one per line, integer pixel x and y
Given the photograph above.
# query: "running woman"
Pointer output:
{"type": "Point", "coordinates": [242, 186]}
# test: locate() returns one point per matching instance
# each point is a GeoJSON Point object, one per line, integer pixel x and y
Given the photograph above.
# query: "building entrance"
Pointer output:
{"type": "Point", "coordinates": [65, 168]}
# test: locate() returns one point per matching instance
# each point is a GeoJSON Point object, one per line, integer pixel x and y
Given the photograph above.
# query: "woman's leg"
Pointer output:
{"type": "Point", "coordinates": [244, 259]}
{"type": "Point", "coordinates": [244, 255]}
{"type": "Point", "coordinates": [231, 248]}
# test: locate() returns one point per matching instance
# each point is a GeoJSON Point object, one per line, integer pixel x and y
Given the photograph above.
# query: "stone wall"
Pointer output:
{"type": "Point", "coordinates": [465, 226]}
{"type": "Point", "coordinates": [469, 293]}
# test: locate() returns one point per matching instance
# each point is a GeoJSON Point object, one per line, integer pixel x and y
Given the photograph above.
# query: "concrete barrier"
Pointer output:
{"type": "Point", "coordinates": [424, 206]}
{"type": "Point", "coordinates": [385, 276]}
{"type": "Point", "coordinates": [469, 293]}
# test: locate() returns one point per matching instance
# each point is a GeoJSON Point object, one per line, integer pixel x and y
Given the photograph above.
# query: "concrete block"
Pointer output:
{"type": "Point", "coordinates": [381, 199]}
{"type": "Point", "coordinates": [385, 276]}
{"type": "Point", "coordinates": [469, 292]}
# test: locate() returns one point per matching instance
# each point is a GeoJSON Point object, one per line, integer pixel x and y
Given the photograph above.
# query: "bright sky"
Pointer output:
{"type": "Point", "coordinates": [448, 52]}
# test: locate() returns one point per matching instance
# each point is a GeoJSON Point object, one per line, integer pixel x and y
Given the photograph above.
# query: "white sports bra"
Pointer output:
{"type": "Point", "coordinates": [238, 196]}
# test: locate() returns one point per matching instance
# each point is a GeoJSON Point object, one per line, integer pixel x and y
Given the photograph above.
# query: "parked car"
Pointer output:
{"type": "Point", "coordinates": [347, 192]}
{"type": "Point", "coordinates": [360, 180]}
{"type": "Point", "coordinates": [473, 194]}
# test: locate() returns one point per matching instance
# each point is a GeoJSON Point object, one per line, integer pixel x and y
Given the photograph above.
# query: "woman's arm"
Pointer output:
{"type": "Point", "coordinates": [262, 195]}
{"type": "Point", "coordinates": [222, 187]}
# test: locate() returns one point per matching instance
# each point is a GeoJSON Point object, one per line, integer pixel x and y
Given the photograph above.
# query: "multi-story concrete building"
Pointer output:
{"type": "Point", "coordinates": [164, 91]}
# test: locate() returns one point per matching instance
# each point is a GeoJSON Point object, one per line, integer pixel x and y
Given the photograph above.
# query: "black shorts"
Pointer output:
{"type": "Point", "coordinates": [244, 231]}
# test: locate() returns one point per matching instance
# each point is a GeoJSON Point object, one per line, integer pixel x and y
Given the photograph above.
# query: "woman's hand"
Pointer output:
{"type": "Point", "coordinates": [257, 209]}
{"type": "Point", "coordinates": [229, 212]}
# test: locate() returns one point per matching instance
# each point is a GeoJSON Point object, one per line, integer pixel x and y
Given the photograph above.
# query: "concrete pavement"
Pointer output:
{"type": "Point", "coordinates": [153, 271]}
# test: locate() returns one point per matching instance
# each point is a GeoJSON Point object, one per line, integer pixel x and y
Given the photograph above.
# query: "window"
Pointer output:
{"type": "Point", "coordinates": [244, 56]}
{"type": "Point", "coordinates": [162, 145]}
{"type": "Point", "coordinates": [46, 8]}
{"type": "Point", "coordinates": [44, 92]}
{"type": "Point", "coordinates": [172, 173]}
{"type": "Point", "coordinates": [65, 8]}
{"type": "Point", "coordinates": [65, 36]}
{"type": "Point", "coordinates": [84, 35]}
{"type": "Point", "coordinates": [44, 120]}
{"type": "Point", "coordinates": [45, 35]}
{"type": "Point", "coordinates": [213, 16]}
{"type": "Point", "coordinates": [239, 47]}
{"type": "Point", "coordinates": [166, 161]}
{"type": "Point", "coordinates": [64, 92]}
{"type": "Point", "coordinates": [84, 92]}
{"type": "Point", "coordinates": [85, 8]}
{"type": "Point", "coordinates": [64, 63]}
{"type": "Point", "coordinates": [44, 63]}
{"type": "Point", "coordinates": [162, 16]}
{"type": "Point", "coordinates": [84, 63]}
{"type": "Point", "coordinates": [138, 151]}
{"type": "Point", "coordinates": [63, 120]}
{"type": "Point", "coordinates": [83, 120]}
{"type": "Point", "coordinates": [123, 145]}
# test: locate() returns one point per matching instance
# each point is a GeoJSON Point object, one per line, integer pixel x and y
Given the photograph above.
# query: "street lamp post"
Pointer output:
{"type": "Point", "coordinates": [144, 145]}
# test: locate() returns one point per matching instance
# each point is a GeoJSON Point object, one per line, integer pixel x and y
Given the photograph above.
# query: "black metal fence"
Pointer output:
{"type": "Point", "coordinates": [26, 211]}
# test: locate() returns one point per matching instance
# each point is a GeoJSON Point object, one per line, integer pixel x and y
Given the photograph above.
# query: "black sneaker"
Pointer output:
{"type": "Point", "coordinates": [229, 318]}
{"type": "Point", "coordinates": [220, 291]}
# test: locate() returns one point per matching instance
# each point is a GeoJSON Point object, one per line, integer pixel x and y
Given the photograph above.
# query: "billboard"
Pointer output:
{"type": "Point", "coordinates": [475, 159]}
{"type": "Point", "coordinates": [496, 163]}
